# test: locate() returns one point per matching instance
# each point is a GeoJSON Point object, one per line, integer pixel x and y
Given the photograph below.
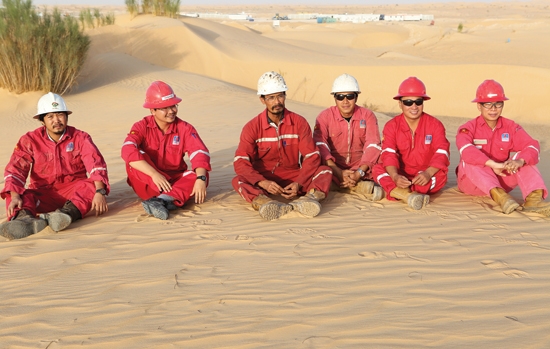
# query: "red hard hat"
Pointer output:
{"type": "Point", "coordinates": [412, 87]}
{"type": "Point", "coordinates": [160, 95]}
{"type": "Point", "coordinates": [489, 91]}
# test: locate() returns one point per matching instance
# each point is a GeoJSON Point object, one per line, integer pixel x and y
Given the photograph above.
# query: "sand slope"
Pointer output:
{"type": "Point", "coordinates": [361, 275]}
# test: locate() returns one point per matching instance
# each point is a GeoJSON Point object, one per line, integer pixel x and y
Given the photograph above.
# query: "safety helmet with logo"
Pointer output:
{"type": "Point", "coordinates": [489, 91]}
{"type": "Point", "coordinates": [160, 95]}
{"type": "Point", "coordinates": [51, 103]}
{"type": "Point", "coordinates": [271, 82]}
{"type": "Point", "coordinates": [345, 83]}
{"type": "Point", "coordinates": [412, 87]}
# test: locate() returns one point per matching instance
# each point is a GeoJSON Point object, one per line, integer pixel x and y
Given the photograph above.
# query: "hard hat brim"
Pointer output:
{"type": "Point", "coordinates": [163, 104]}
{"type": "Point", "coordinates": [37, 116]}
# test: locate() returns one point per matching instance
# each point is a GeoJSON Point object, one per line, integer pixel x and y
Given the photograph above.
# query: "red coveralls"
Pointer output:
{"type": "Point", "coordinates": [413, 153]}
{"type": "Point", "coordinates": [57, 171]}
{"type": "Point", "coordinates": [349, 144]}
{"type": "Point", "coordinates": [283, 154]}
{"type": "Point", "coordinates": [477, 143]}
{"type": "Point", "coordinates": [165, 152]}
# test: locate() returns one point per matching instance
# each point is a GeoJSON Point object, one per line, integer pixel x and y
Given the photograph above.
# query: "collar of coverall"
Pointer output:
{"type": "Point", "coordinates": [151, 123]}
{"type": "Point", "coordinates": [269, 122]}
{"type": "Point", "coordinates": [481, 122]}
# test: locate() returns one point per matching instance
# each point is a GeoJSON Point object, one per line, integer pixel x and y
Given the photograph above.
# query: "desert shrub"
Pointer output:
{"type": "Point", "coordinates": [132, 6]}
{"type": "Point", "coordinates": [94, 18]}
{"type": "Point", "coordinates": [39, 53]}
{"type": "Point", "coordinates": [146, 6]}
{"type": "Point", "coordinates": [460, 27]}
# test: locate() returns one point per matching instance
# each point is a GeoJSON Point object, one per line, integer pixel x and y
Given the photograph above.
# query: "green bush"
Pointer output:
{"type": "Point", "coordinates": [133, 7]}
{"type": "Point", "coordinates": [168, 8]}
{"type": "Point", "coordinates": [39, 53]}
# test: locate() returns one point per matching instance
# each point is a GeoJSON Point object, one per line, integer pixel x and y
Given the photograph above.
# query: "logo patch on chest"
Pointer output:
{"type": "Point", "coordinates": [362, 123]}
{"type": "Point", "coordinates": [176, 140]}
{"type": "Point", "coordinates": [70, 147]}
{"type": "Point", "coordinates": [505, 137]}
{"type": "Point", "coordinates": [428, 139]}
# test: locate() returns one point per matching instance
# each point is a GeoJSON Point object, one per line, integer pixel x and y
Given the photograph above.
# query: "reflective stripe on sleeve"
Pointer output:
{"type": "Point", "coordinates": [320, 173]}
{"type": "Point", "coordinates": [323, 143]}
{"type": "Point", "coordinates": [374, 146]}
{"type": "Point", "coordinates": [198, 152]}
{"type": "Point", "coordinates": [389, 150]}
{"type": "Point", "coordinates": [385, 174]}
{"type": "Point", "coordinates": [98, 169]}
{"type": "Point", "coordinates": [14, 177]}
{"type": "Point", "coordinates": [442, 151]}
{"type": "Point", "coordinates": [464, 147]}
{"type": "Point", "coordinates": [311, 154]}
{"type": "Point", "coordinates": [241, 158]}
{"type": "Point", "coordinates": [130, 143]}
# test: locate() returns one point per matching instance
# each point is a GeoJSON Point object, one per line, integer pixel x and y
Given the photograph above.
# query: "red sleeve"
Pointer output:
{"type": "Point", "coordinates": [132, 144]}
{"type": "Point", "coordinates": [17, 170]}
{"type": "Point", "coordinates": [527, 148]}
{"type": "Point", "coordinates": [372, 147]}
{"type": "Point", "coordinates": [441, 157]}
{"type": "Point", "coordinates": [196, 149]}
{"type": "Point", "coordinates": [320, 135]}
{"type": "Point", "coordinates": [246, 153]}
{"type": "Point", "coordinates": [93, 160]}
{"type": "Point", "coordinates": [389, 156]}
{"type": "Point", "coordinates": [311, 157]}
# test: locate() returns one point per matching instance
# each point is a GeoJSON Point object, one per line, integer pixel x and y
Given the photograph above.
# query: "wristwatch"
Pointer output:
{"type": "Point", "coordinates": [361, 172]}
{"type": "Point", "coordinates": [202, 178]}
{"type": "Point", "coordinates": [102, 191]}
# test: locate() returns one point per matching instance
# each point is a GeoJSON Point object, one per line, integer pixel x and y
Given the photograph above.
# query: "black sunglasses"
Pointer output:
{"type": "Point", "coordinates": [410, 102]}
{"type": "Point", "coordinates": [349, 96]}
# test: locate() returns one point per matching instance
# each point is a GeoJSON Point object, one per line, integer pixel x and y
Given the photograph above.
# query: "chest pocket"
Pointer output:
{"type": "Point", "coordinates": [503, 142]}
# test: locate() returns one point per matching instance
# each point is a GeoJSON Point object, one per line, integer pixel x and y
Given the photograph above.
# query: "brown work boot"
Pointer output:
{"type": "Point", "coordinates": [415, 200]}
{"type": "Point", "coordinates": [23, 225]}
{"type": "Point", "coordinates": [506, 202]}
{"type": "Point", "coordinates": [270, 209]}
{"type": "Point", "coordinates": [61, 218]}
{"type": "Point", "coordinates": [534, 203]}
{"type": "Point", "coordinates": [309, 205]}
{"type": "Point", "coordinates": [372, 191]}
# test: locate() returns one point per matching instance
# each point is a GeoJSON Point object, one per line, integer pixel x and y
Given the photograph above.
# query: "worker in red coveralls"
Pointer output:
{"type": "Point", "coordinates": [415, 152]}
{"type": "Point", "coordinates": [497, 155]}
{"type": "Point", "coordinates": [154, 153]}
{"type": "Point", "coordinates": [276, 155]}
{"type": "Point", "coordinates": [68, 175]}
{"type": "Point", "coordinates": [349, 140]}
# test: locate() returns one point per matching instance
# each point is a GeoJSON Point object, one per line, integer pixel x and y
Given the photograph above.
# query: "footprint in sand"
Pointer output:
{"type": "Point", "coordinates": [415, 275]}
{"type": "Point", "coordinates": [300, 231]}
{"type": "Point", "coordinates": [373, 255]}
{"type": "Point", "coordinates": [506, 270]}
{"type": "Point", "coordinates": [207, 224]}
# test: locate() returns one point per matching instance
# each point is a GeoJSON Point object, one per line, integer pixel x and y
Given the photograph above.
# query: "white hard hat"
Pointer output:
{"type": "Point", "coordinates": [345, 83]}
{"type": "Point", "coordinates": [271, 82]}
{"type": "Point", "coordinates": [51, 103]}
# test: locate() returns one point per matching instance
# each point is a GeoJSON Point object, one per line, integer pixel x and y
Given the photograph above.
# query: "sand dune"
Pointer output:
{"type": "Point", "coordinates": [360, 275]}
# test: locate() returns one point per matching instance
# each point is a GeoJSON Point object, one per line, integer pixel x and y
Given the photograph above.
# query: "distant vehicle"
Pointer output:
{"type": "Point", "coordinates": [277, 17]}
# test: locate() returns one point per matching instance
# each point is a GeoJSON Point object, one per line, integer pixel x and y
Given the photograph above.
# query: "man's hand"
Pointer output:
{"type": "Point", "coordinates": [99, 204]}
{"type": "Point", "coordinates": [497, 167]}
{"type": "Point", "coordinates": [199, 191]}
{"type": "Point", "coordinates": [271, 187]}
{"type": "Point", "coordinates": [401, 181]}
{"type": "Point", "coordinates": [161, 182]}
{"type": "Point", "coordinates": [16, 202]}
{"type": "Point", "coordinates": [513, 166]}
{"type": "Point", "coordinates": [422, 178]}
{"type": "Point", "coordinates": [350, 178]}
{"type": "Point", "coordinates": [291, 191]}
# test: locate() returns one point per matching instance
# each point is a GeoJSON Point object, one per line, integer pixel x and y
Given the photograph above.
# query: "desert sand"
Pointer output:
{"type": "Point", "coordinates": [457, 274]}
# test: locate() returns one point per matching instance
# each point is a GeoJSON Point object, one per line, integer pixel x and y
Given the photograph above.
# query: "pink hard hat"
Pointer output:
{"type": "Point", "coordinates": [489, 91]}
{"type": "Point", "coordinates": [412, 87]}
{"type": "Point", "coordinates": [160, 95]}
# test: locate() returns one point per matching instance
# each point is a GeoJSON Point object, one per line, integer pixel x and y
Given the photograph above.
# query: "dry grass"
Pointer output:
{"type": "Point", "coordinates": [39, 53]}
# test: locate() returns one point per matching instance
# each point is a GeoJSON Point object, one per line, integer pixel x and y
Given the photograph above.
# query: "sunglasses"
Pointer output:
{"type": "Point", "coordinates": [410, 102]}
{"type": "Point", "coordinates": [490, 105]}
{"type": "Point", "coordinates": [349, 96]}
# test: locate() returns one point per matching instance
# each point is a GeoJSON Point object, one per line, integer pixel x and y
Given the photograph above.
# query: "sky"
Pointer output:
{"type": "Point", "coordinates": [250, 2]}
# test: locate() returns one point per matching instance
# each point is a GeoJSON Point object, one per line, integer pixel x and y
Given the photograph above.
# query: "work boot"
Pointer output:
{"type": "Point", "coordinates": [309, 205]}
{"type": "Point", "coordinates": [270, 209]}
{"type": "Point", "coordinates": [415, 200]}
{"type": "Point", "coordinates": [156, 207]}
{"type": "Point", "coordinates": [534, 203]}
{"type": "Point", "coordinates": [370, 190]}
{"type": "Point", "coordinates": [506, 202]}
{"type": "Point", "coordinates": [61, 218]}
{"type": "Point", "coordinates": [23, 225]}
